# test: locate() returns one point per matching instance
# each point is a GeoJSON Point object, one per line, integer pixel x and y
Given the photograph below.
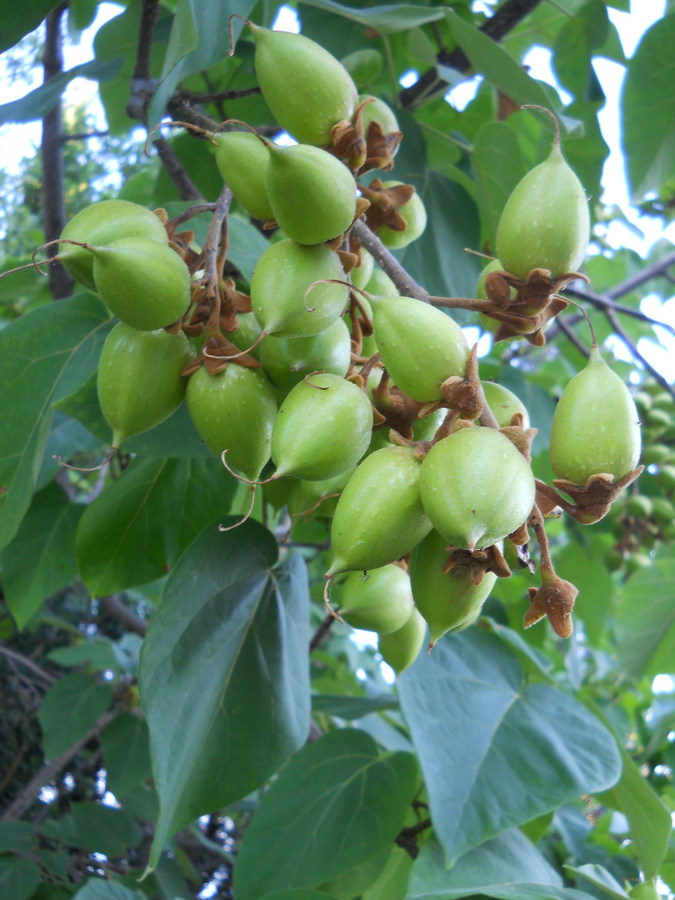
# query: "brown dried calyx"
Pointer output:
{"type": "Point", "coordinates": [385, 203]}
{"type": "Point", "coordinates": [216, 353]}
{"type": "Point", "coordinates": [555, 598]}
{"type": "Point", "coordinates": [364, 149]}
{"type": "Point", "coordinates": [478, 562]}
{"type": "Point", "coordinates": [592, 500]}
{"type": "Point", "coordinates": [536, 303]}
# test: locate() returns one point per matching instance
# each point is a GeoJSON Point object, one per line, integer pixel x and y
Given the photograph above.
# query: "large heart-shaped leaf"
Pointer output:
{"type": "Point", "coordinates": [224, 673]}
{"type": "Point", "coordinates": [496, 752]}
{"type": "Point", "coordinates": [334, 806]}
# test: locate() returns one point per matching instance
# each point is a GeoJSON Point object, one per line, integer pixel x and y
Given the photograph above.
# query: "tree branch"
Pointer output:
{"type": "Point", "coordinates": [113, 606]}
{"type": "Point", "coordinates": [176, 171]}
{"type": "Point", "coordinates": [498, 26]}
{"type": "Point", "coordinates": [145, 35]}
{"type": "Point", "coordinates": [26, 663]}
{"type": "Point", "coordinates": [43, 776]}
{"type": "Point", "coordinates": [53, 198]}
{"type": "Point", "coordinates": [628, 341]}
{"type": "Point", "coordinates": [387, 261]}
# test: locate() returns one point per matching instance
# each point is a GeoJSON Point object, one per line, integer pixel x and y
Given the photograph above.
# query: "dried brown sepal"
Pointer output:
{"type": "Point", "coordinates": [555, 600]}
{"type": "Point", "coordinates": [593, 499]}
{"type": "Point", "coordinates": [528, 313]}
{"type": "Point", "coordinates": [348, 259]}
{"type": "Point", "coordinates": [399, 410]}
{"type": "Point", "coordinates": [520, 437]}
{"type": "Point", "coordinates": [520, 536]}
{"type": "Point", "coordinates": [218, 352]}
{"type": "Point", "coordinates": [381, 148]}
{"type": "Point", "coordinates": [478, 562]}
{"type": "Point", "coordinates": [385, 203]}
{"type": "Point", "coordinates": [465, 394]}
{"type": "Point", "coordinates": [161, 214]}
{"type": "Point", "coordinates": [364, 149]}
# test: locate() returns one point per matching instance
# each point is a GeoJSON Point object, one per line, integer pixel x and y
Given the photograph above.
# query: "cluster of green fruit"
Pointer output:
{"type": "Point", "coordinates": [348, 388]}
{"type": "Point", "coordinates": [647, 517]}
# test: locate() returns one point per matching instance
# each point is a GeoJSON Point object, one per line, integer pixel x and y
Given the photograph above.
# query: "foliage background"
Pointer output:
{"type": "Point", "coordinates": [506, 764]}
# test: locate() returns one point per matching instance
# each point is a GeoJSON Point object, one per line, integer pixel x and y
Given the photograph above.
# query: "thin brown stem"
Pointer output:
{"type": "Point", "coordinates": [635, 353]}
{"type": "Point", "coordinates": [26, 663]}
{"type": "Point", "coordinates": [176, 171]}
{"type": "Point", "coordinates": [321, 632]}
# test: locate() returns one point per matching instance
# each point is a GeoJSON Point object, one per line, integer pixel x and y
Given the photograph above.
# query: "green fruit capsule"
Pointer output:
{"type": "Point", "coordinates": [287, 361]}
{"type": "Point", "coordinates": [99, 225]}
{"type": "Point", "coordinates": [308, 499]}
{"type": "Point", "coordinates": [379, 516]}
{"type": "Point", "coordinates": [144, 283]}
{"type": "Point", "coordinates": [246, 334]}
{"type": "Point", "coordinates": [138, 379]}
{"type": "Point", "coordinates": [595, 426]}
{"type": "Point", "coordinates": [504, 404]}
{"type": "Point", "coordinates": [415, 216]}
{"type": "Point", "coordinates": [476, 487]}
{"type": "Point", "coordinates": [241, 158]}
{"type": "Point", "coordinates": [322, 429]}
{"type": "Point", "coordinates": [545, 223]}
{"type": "Point", "coordinates": [234, 410]}
{"type": "Point", "coordinates": [420, 345]}
{"type": "Point", "coordinates": [312, 194]}
{"type": "Point", "coordinates": [381, 285]}
{"type": "Point", "coordinates": [448, 601]}
{"type": "Point", "coordinates": [401, 648]}
{"type": "Point", "coordinates": [279, 289]}
{"type": "Point", "coordinates": [307, 89]}
{"type": "Point", "coordinates": [360, 275]}
{"type": "Point", "coordinates": [379, 601]}
{"type": "Point", "coordinates": [378, 111]}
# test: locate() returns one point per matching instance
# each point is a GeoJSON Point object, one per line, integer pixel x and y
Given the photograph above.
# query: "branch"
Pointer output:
{"type": "Point", "coordinates": [113, 606]}
{"type": "Point", "coordinates": [24, 800]}
{"type": "Point", "coordinates": [53, 198]}
{"type": "Point", "coordinates": [604, 303]}
{"type": "Point", "coordinates": [387, 261]}
{"type": "Point", "coordinates": [26, 663]}
{"type": "Point", "coordinates": [176, 171]}
{"type": "Point", "coordinates": [654, 271]}
{"type": "Point", "coordinates": [619, 329]}
{"type": "Point", "coordinates": [321, 632]}
{"type": "Point", "coordinates": [145, 35]}
{"type": "Point", "coordinates": [498, 26]}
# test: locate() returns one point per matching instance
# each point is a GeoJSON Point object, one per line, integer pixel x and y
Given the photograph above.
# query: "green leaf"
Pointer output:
{"type": "Point", "coordinates": [103, 829]}
{"type": "Point", "coordinates": [536, 749]}
{"type": "Point", "coordinates": [33, 374]}
{"type": "Point", "coordinates": [126, 752]}
{"type": "Point", "coordinates": [19, 20]}
{"type": "Point", "coordinates": [507, 867]}
{"type": "Point", "coordinates": [393, 882]}
{"type": "Point", "coordinates": [69, 709]}
{"type": "Point", "coordinates": [649, 817]}
{"type": "Point", "coordinates": [224, 673]}
{"type": "Point", "coordinates": [98, 654]}
{"type": "Point", "coordinates": [199, 38]}
{"type": "Point", "coordinates": [596, 588]}
{"type": "Point", "coordinates": [103, 889]}
{"type": "Point", "coordinates": [298, 895]}
{"type": "Point", "coordinates": [574, 45]}
{"type": "Point", "coordinates": [18, 877]}
{"type": "Point", "coordinates": [134, 532]}
{"type": "Point", "coordinates": [491, 60]}
{"type": "Point", "coordinates": [498, 166]}
{"type": "Point", "coordinates": [40, 101]}
{"type": "Point", "coordinates": [41, 558]}
{"type": "Point", "coordinates": [17, 836]}
{"type": "Point", "coordinates": [387, 19]}
{"type": "Point", "coordinates": [68, 438]}
{"type": "Point", "coordinates": [352, 883]}
{"type": "Point", "coordinates": [351, 708]}
{"type": "Point", "coordinates": [335, 805]}
{"type": "Point", "coordinates": [601, 879]}
{"type": "Point", "coordinates": [648, 110]}
{"type": "Point", "coordinates": [645, 620]}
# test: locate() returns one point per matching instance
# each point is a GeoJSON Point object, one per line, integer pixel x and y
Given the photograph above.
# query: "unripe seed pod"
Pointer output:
{"type": "Point", "coordinates": [449, 601]}
{"type": "Point", "coordinates": [380, 601]}
{"type": "Point", "coordinates": [307, 89]}
{"type": "Point", "coordinates": [322, 429]}
{"type": "Point", "coordinates": [378, 111]}
{"type": "Point", "coordinates": [281, 279]}
{"type": "Point", "coordinates": [379, 516]}
{"type": "Point", "coordinates": [545, 223]}
{"type": "Point", "coordinates": [360, 276]}
{"type": "Point", "coordinates": [312, 194]}
{"type": "Point", "coordinates": [639, 506]}
{"type": "Point", "coordinates": [99, 225]}
{"type": "Point", "coordinates": [476, 487]}
{"type": "Point", "coordinates": [316, 498]}
{"type": "Point", "coordinates": [663, 511]}
{"type": "Point", "coordinates": [234, 410]}
{"type": "Point", "coordinates": [401, 648]}
{"type": "Point", "coordinates": [144, 283]}
{"type": "Point", "coordinates": [656, 454]}
{"type": "Point", "coordinates": [242, 158]}
{"type": "Point", "coordinates": [666, 477]}
{"type": "Point", "coordinates": [287, 361]}
{"type": "Point", "coordinates": [138, 378]}
{"type": "Point", "coordinates": [246, 333]}
{"type": "Point", "coordinates": [415, 216]}
{"type": "Point", "coordinates": [381, 285]}
{"type": "Point", "coordinates": [504, 404]}
{"type": "Point", "coordinates": [595, 426]}
{"type": "Point", "coordinates": [420, 345]}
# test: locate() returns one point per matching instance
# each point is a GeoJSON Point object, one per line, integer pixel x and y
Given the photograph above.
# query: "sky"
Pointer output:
{"type": "Point", "coordinates": [17, 142]}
